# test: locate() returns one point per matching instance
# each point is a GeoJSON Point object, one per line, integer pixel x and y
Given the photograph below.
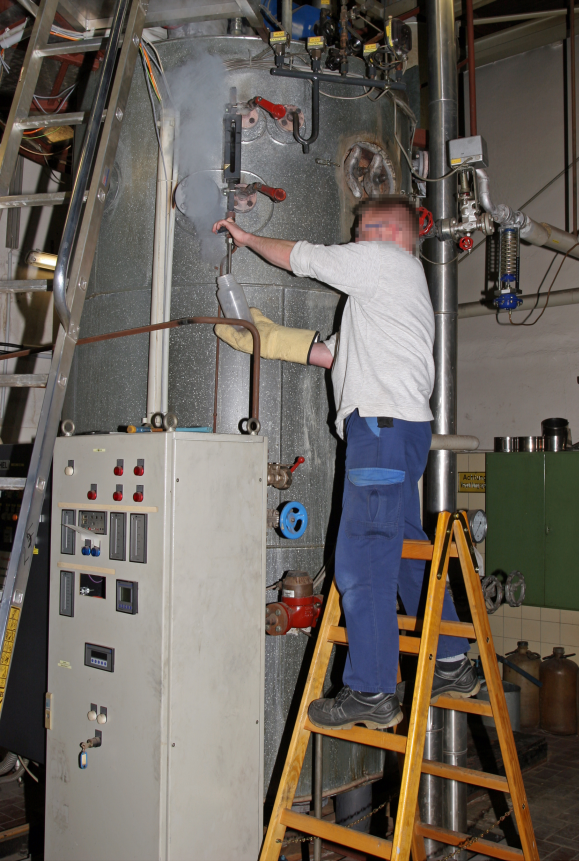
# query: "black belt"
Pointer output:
{"type": "Point", "coordinates": [385, 421]}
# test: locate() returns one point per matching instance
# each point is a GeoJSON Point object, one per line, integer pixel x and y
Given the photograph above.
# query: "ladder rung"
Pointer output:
{"type": "Point", "coordinates": [12, 483]}
{"type": "Point", "coordinates": [470, 705]}
{"type": "Point", "coordinates": [454, 838]}
{"type": "Point", "coordinates": [422, 550]}
{"type": "Point", "coordinates": [52, 198]}
{"type": "Point", "coordinates": [83, 46]}
{"type": "Point", "coordinates": [466, 775]}
{"type": "Point", "coordinates": [23, 381]}
{"type": "Point", "coordinates": [376, 846]}
{"type": "Point", "coordinates": [32, 285]}
{"type": "Point", "coordinates": [451, 629]}
{"type": "Point", "coordinates": [45, 121]}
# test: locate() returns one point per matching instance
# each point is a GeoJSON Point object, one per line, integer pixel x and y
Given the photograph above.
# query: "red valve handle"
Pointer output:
{"type": "Point", "coordinates": [297, 463]}
{"type": "Point", "coordinates": [278, 112]}
{"type": "Point", "coordinates": [276, 194]}
{"type": "Point", "coordinates": [465, 243]}
{"type": "Point", "coordinates": [425, 220]}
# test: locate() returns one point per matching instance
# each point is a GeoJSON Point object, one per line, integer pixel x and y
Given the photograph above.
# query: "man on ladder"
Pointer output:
{"type": "Point", "coordinates": [383, 376]}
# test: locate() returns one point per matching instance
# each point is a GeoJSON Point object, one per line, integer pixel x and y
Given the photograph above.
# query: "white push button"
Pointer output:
{"type": "Point", "coordinates": [101, 718]}
{"type": "Point", "coordinates": [69, 470]}
{"type": "Point", "coordinates": [92, 715]}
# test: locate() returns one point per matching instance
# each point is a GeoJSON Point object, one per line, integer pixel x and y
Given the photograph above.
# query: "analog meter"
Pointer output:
{"type": "Point", "coordinates": [477, 520]}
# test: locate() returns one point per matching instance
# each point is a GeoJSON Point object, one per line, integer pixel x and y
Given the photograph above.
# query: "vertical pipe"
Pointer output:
{"type": "Point", "coordinates": [443, 277]}
{"type": "Point", "coordinates": [286, 16]}
{"type": "Point", "coordinates": [157, 383]}
{"type": "Point", "coordinates": [430, 789]}
{"type": "Point", "coordinates": [471, 72]}
{"type": "Point", "coordinates": [318, 774]}
{"type": "Point", "coordinates": [454, 752]}
{"type": "Point", "coordinates": [573, 113]}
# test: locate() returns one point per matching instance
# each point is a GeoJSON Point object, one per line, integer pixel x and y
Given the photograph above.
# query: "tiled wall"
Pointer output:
{"type": "Point", "coordinates": [541, 626]}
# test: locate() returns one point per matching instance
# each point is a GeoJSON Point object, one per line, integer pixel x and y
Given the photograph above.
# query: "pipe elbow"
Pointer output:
{"type": "Point", "coordinates": [500, 212]}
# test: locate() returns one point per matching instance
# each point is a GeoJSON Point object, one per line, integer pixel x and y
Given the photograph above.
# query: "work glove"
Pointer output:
{"type": "Point", "coordinates": [277, 342]}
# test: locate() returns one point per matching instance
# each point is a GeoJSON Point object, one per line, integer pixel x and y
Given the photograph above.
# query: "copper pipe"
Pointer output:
{"type": "Point", "coordinates": [171, 324]}
{"type": "Point", "coordinates": [216, 377]}
{"type": "Point", "coordinates": [471, 72]}
{"type": "Point", "coordinates": [573, 113]}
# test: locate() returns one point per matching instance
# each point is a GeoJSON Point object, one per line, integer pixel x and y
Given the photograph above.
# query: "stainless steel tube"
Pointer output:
{"type": "Point", "coordinates": [443, 274]}
{"type": "Point", "coordinates": [318, 775]}
{"type": "Point", "coordinates": [454, 752]}
{"type": "Point", "coordinates": [559, 297]}
{"type": "Point", "coordinates": [454, 442]}
{"type": "Point", "coordinates": [430, 790]}
{"type": "Point", "coordinates": [85, 164]}
{"type": "Point", "coordinates": [286, 16]}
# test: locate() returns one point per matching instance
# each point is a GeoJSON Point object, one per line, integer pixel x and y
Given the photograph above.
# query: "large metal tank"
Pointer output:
{"type": "Point", "coordinates": [109, 380]}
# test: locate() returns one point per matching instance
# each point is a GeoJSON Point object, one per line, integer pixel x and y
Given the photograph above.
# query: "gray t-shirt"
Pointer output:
{"type": "Point", "coordinates": [383, 363]}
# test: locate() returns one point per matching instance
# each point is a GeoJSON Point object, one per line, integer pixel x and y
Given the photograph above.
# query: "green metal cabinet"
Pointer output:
{"type": "Point", "coordinates": [532, 506]}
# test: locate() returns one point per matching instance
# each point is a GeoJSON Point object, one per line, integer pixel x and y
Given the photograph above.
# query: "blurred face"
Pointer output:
{"type": "Point", "coordinates": [389, 225]}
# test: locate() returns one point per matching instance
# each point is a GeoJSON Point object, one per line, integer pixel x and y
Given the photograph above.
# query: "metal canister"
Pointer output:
{"type": "Point", "coordinates": [558, 696]}
{"type": "Point", "coordinates": [556, 434]}
{"type": "Point", "coordinates": [530, 443]}
{"type": "Point", "coordinates": [530, 662]}
{"type": "Point", "coordinates": [506, 443]}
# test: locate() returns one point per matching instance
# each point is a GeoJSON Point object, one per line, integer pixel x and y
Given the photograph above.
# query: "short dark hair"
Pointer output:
{"type": "Point", "coordinates": [397, 203]}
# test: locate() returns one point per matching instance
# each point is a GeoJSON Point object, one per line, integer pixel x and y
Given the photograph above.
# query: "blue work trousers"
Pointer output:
{"type": "Point", "coordinates": [380, 509]}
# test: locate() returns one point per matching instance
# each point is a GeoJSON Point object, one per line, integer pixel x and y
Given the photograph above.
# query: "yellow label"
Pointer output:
{"type": "Point", "coordinates": [315, 42]}
{"type": "Point", "coordinates": [99, 449]}
{"type": "Point", "coordinates": [65, 664]}
{"type": "Point", "coordinates": [277, 36]}
{"type": "Point", "coordinates": [369, 49]}
{"type": "Point", "coordinates": [7, 649]}
{"type": "Point", "coordinates": [472, 482]}
{"type": "Point", "coordinates": [455, 160]}
{"type": "Point", "coordinates": [35, 551]}
{"type": "Point", "coordinates": [325, 3]}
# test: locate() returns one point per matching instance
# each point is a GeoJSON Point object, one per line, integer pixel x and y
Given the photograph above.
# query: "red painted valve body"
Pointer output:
{"type": "Point", "coordinates": [465, 243]}
{"type": "Point", "coordinates": [300, 608]}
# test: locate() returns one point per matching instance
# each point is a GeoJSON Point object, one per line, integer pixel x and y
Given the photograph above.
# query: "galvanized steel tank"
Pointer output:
{"type": "Point", "coordinates": [108, 384]}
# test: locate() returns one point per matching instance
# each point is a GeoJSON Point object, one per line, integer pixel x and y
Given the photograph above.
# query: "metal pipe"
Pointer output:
{"type": "Point", "coordinates": [454, 752]}
{"type": "Point", "coordinates": [471, 71]}
{"type": "Point", "coordinates": [573, 112]}
{"type": "Point", "coordinates": [442, 278]}
{"type": "Point", "coordinates": [158, 376]}
{"type": "Point", "coordinates": [560, 297]}
{"type": "Point", "coordinates": [85, 166]}
{"type": "Point", "coordinates": [430, 788]}
{"type": "Point", "coordinates": [453, 442]}
{"type": "Point", "coordinates": [326, 78]}
{"type": "Point", "coordinates": [286, 16]}
{"type": "Point", "coordinates": [305, 142]}
{"type": "Point", "coordinates": [318, 775]}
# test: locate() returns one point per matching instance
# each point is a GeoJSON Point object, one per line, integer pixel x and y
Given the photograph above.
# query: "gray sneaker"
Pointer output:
{"type": "Point", "coordinates": [459, 683]}
{"type": "Point", "coordinates": [375, 711]}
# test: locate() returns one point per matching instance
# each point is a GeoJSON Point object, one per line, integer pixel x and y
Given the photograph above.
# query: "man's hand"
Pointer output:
{"type": "Point", "coordinates": [240, 237]}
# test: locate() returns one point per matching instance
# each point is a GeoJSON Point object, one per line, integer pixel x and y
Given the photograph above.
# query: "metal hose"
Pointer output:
{"type": "Point", "coordinates": [8, 763]}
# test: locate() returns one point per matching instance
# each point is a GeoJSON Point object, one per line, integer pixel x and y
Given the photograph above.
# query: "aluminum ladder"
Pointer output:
{"type": "Point", "coordinates": [75, 255]}
{"type": "Point", "coordinates": [452, 539]}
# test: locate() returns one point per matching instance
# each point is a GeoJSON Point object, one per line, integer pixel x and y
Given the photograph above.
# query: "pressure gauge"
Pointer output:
{"type": "Point", "coordinates": [477, 520]}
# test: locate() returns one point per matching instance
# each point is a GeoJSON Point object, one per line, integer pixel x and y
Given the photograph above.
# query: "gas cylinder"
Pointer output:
{"type": "Point", "coordinates": [558, 695]}
{"type": "Point", "coordinates": [530, 662]}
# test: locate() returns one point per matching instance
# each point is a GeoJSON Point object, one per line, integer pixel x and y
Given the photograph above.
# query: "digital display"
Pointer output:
{"type": "Point", "coordinates": [126, 594]}
{"type": "Point", "coordinates": [100, 656]}
{"type": "Point", "coordinates": [128, 597]}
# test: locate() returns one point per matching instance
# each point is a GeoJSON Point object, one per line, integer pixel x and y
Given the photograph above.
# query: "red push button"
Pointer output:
{"type": "Point", "coordinates": [91, 494]}
{"type": "Point", "coordinates": [118, 470]}
{"type": "Point", "coordinates": [139, 470]}
{"type": "Point", "coordinates": [118, 496]}
{"type": "Point", "coordinates": [138, 496]}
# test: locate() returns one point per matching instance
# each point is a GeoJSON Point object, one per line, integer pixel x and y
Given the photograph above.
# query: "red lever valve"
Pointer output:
{"type": "Point", "coordinates": [466, 243]}
{"type": "Point", "coordinates": [278, 112]}
{"type": "Point", "coordinates": [299, 461]}
{"type": "Point", "coordinates": [275, 194]}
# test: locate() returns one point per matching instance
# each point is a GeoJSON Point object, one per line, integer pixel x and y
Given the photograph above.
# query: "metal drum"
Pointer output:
{"type": "Point", "coordinates": [297, 411]}
{"type": "Point", "coordinates": [506, 443]}
{"type": "Point", "coordinates": [529, 443]}
{"type": "Point", "coordinates": [556, 434]}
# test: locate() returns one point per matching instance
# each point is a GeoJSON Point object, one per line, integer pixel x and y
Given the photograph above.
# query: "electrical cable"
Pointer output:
{"type": "Point", "coordinates": [554, 257]}
{"type": "Point", "coordinates": [436, 263]}
{"type": "Point", "coordinates": [524, 323]}
{"type": "Point", "coordinates": [24, 764]}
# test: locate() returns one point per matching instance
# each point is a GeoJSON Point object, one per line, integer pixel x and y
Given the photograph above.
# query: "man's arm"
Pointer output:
{"type": "Point", "coordinates": [275, 251]}
{"type": "Point", "coordinates": [320, 356]}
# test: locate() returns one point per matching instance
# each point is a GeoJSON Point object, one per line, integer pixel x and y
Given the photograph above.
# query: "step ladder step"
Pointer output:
{"type": "Point", "coordinates": [23, 381]}
{"type": "Point", "coordinates": [484, 847]}
{"type": "Point", "coordinates": [31, 285]}
{"type": "Point", "coordinates": [375, 846]}
{"type": "Point", "coordinates": [12, 483]}
{"type": "Point", "coordinates": [422, 550]}
{"type": "Point", "coordinates": [75, 118]}
{"type": "Point", "coordinates": [83, 46]}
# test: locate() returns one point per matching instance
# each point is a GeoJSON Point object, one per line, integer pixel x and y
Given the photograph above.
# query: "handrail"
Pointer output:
{"type": "Point", "coordinates": [85, 165]}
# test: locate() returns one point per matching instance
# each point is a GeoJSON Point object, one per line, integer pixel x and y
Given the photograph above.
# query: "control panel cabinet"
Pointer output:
{"type": "Point", "coordinates": [155, 694]}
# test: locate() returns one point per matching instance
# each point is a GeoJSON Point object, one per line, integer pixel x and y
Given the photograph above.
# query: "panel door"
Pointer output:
{"type": "Point", "coordinates": [562, 530]}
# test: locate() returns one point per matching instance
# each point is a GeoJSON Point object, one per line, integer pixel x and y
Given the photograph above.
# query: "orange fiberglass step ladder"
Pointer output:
{"type": "Point", "coordinates": [452, 539]}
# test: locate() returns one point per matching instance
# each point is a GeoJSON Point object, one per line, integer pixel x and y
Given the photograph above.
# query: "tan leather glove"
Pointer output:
{"type": "Point", "coordinates": [277, 342]}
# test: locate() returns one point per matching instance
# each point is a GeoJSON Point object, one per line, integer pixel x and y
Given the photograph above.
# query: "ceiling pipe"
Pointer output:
{"type": "Point", "coordinates": [530, 303]}
{"type": "Point", "coordinates": [471, 71]}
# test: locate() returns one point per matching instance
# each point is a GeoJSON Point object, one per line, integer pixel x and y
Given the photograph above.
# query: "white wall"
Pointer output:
{"type": "Point", "coordinates": [511, 378]}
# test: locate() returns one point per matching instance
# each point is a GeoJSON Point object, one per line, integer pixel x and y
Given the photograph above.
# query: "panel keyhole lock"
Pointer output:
{"type": "Point", "coordinates": [92, 494]}
{"type": "Point", "coordinates": [119, 468]}
{"type": "Point", "coordinates": [86, 745]}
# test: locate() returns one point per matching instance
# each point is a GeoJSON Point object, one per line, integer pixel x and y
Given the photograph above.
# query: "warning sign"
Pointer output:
{"type": "Point", "coordinates": [472, 482]}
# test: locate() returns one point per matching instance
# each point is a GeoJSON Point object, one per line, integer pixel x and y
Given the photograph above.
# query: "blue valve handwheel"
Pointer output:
{"type": "Point", "coordinates": [293, 520]}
